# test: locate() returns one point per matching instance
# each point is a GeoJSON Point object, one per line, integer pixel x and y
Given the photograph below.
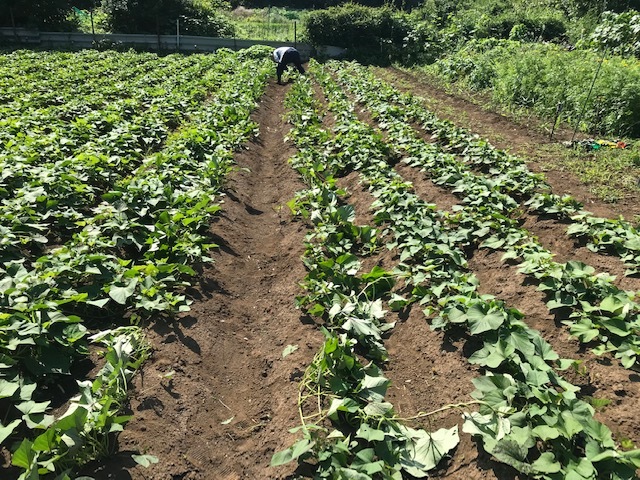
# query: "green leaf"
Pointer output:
{"type": "Point", "coordinates": [7, 430]}
{"type": "Point", "coordinates": [350, 474]}
{"type": "Point", "coordinates": [121, 294]}
{"type": "Point", "coordinates": [545, 432]}
{"type": "Point", "coordinates": [378, 408]}
{"type": "Point", "coordinates": [24, 456]}
{"type": "Point", "coordinates": [292, 453]}
{"type": "Point", "coordinates": [633, 456]}
{"type": "Point", "coordinates": [370, 434]}
{"type": "Point", "coordinates": [512, 453]}
{"type": "Point", "coordinates": [288, 350]}
{"type": "Point", "coordinates": [546, 463]}
{"type": "Point", "coordinates": [424, 454]}
{"type": "Point", "coordinates": [374, 389]}
{"type": "Point", "coordinates": [44, 442]}
{"type": "Point", "coordinates": [32, 407]}
{"type": "Point", "coordinates": [481, 321]}
{"type": "Point", "coordinates": [492, 355]}
{"type": "Point", "coordinates": [7, 389]}
{"type": "Point", "coordinates": [144, 460]}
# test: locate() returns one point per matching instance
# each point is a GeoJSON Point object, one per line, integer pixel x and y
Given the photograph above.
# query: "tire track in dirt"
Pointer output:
{"type": "Point", "coordinates": [217, 399]}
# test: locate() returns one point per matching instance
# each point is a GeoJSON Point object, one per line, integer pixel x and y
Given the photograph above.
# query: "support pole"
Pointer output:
{"type": "Point", "coordinates": [178, 34]}
{"type": "Point", "coordinates": [93, 29]}
{"type": "Point", "coordinates": [586, 100]}
{"type": "Point", "coordinates": [559, 108]}
{"type": "Point", "coordinates": [13, 23]}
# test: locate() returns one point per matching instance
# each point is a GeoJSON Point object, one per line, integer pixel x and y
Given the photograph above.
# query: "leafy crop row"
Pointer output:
{"type": "Point", "coordinates": [58, 160]}
{"type": "Point", "coordinates": [128, 259]}
{"type": "Point", "coordinates": [366, 439]}
{"type": "Point", "coordinates": [599, 311]}
{"type": "Point", "coordinates": [530, 417]}
{"type": "Point", "coordinates": [505, 173]}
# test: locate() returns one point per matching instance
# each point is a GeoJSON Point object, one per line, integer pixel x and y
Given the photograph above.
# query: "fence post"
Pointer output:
{"type": "Point", "coordinates": [178, 34]}
{"type": "Point", "coordinates": [295, 34]}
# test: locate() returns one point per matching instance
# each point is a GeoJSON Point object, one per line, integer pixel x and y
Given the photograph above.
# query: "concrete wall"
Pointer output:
{"type": "Point", "coordinates": [184, 43]}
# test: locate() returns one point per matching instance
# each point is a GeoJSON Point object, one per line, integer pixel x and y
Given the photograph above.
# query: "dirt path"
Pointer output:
{"type": "Point", "coordinates": [217, 398]}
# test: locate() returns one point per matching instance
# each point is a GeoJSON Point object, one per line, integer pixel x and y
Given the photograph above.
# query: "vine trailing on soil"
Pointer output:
{"type": "Point", "coordinates": [128, 258]}
{"type": "Point", "coordinates": [529, 416]}
{"type": "Point", "coordinates": [366, 439]}
{"type": "Point", "coordinates": [598, 312]}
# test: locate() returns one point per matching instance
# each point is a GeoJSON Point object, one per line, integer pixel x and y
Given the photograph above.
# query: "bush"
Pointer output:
{"type": "Point", "coordinates": [509, 19]}
{"type": "Point", "coordinates": [159, 16]}
{"type": "Point", "coordinates": [619, 33]}
{"type": "Point", "coordinates": [357, 27]}
{"type": "Point", "coordinates": [540, 77]}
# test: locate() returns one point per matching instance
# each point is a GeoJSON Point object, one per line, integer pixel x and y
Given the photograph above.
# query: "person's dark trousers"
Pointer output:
{"type": "Point", "coordinates": [290, 56]}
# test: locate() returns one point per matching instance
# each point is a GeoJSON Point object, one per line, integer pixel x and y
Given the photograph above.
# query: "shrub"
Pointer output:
{"type": "Point", "coordinates": [159, 16]}
{"type": "Point", "coordinates": [540, 77]}
{"type": "Point", "coordinates": [501, 19]}
{"type": "Point", "coordinates": [356, 27]}
{"type": "Point", "coordinates": [619, 33]}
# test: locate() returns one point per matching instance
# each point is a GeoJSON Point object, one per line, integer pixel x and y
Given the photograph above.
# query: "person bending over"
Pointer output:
{"type": "Point", "coordinates": [285, 56]}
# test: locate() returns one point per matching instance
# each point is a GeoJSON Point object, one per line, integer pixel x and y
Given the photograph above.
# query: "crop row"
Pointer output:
{"type": "Point", "coordinates": [501, 171]}
{"type": "Point", "coordinates": [599, 313]}
{"type": "Point", "coordinates": [529, 417]}
{"type": "Point", "coordinates": [130, 259]}
{"type": "Point", "coordinates": [366, 439]}
{"type": "Point", "coordinates": [51, 181]}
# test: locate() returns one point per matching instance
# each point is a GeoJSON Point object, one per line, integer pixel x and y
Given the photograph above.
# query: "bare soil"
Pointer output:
{"type": "Point", "coordinates": [217, 398]}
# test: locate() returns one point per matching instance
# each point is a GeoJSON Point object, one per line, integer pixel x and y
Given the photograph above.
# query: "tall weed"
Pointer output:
{"type": "Point", "coordinates": [544, 78]}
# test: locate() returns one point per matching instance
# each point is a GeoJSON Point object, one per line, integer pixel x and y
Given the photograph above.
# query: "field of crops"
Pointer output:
{"type": "Point", "coordinates": [335, 284]}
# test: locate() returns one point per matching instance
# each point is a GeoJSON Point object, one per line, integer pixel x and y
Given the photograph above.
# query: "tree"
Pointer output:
{"type": "Point", "coordinates": [198, 17]}
{"type": "Point", "coordinates": [46, 15]}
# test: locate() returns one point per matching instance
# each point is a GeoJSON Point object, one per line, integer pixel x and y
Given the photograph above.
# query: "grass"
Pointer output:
{"type": "Point", "coordinates": [274, 24]}
{"type": "Point", "coordinates": [611, 174]}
